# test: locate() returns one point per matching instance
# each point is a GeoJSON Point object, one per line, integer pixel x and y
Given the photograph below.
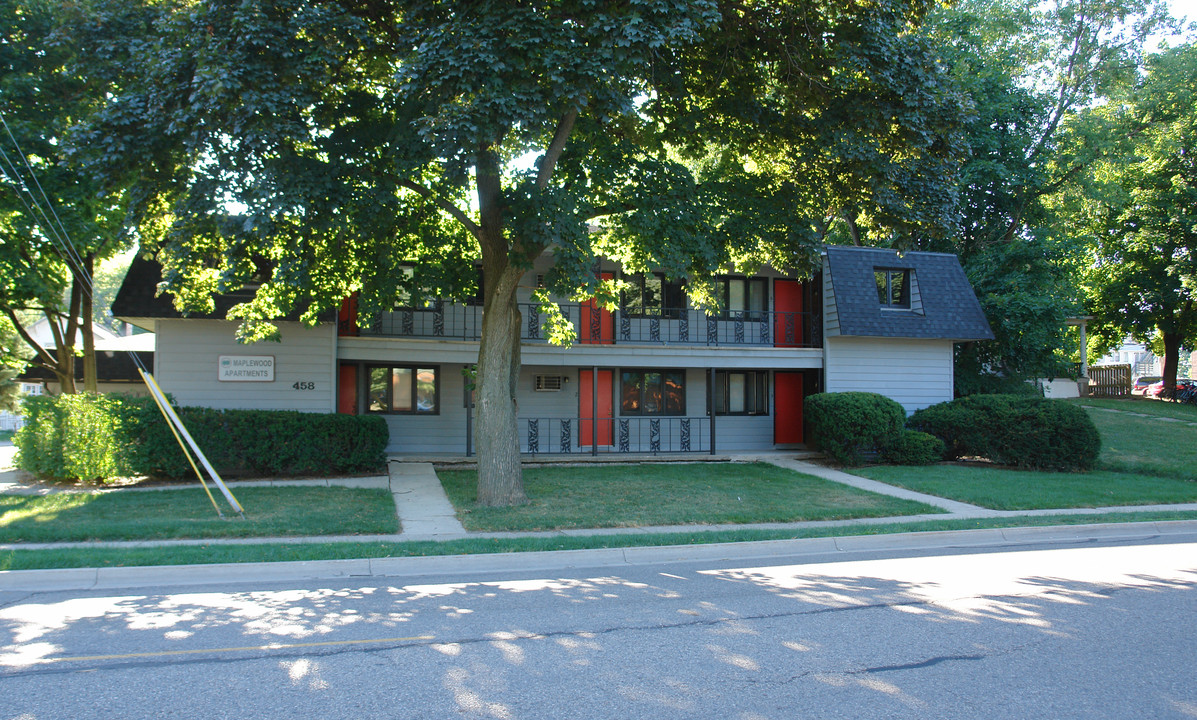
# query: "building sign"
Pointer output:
{"type": "Point", "coordinates": [246, 368]}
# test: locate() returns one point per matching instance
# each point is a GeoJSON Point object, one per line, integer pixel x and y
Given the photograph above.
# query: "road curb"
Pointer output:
{"type": "Point", "coordinates": [826, 548]}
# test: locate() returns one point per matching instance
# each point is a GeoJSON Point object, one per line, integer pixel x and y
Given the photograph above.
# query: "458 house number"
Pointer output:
{"type": "Point", "coordinates": [303, 385]}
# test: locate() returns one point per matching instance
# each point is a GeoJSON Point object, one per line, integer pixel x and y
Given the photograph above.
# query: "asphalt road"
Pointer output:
{"type": "Point", "coordinates": [1060, 632]}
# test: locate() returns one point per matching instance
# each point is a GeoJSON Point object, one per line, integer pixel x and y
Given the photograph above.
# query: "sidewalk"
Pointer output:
{"type": "Point", "coordinates": [425, 514]}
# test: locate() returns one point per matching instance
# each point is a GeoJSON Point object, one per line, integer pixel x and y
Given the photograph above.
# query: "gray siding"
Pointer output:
{"type": "Point", "coordinates": [443, 433]}
{"type": "Point", "coordinates": [916, 373]}
{"type": "Point", "coordinates": [185, 365]}
{"type": "Point", "coordinates": [831, 315]}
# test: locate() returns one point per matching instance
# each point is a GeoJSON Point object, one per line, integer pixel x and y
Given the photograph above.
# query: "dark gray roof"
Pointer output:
{"type": "Point", "coordinates": [949, 308]}
{"type": "Point", "coordinates": [138, 299]}
{"type": "Point", "coordinates": [138, 296]}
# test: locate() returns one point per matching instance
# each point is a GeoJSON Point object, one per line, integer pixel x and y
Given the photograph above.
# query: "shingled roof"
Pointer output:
{"type": "Point", "coordinates": [138, 301]}
{"type": "Point", "coordinates": [947, 307]}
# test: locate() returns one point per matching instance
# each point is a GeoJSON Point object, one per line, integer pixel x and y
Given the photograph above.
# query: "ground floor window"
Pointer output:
{"type": "Point", "coordinates": [652, 392]}
{"type": "Point", "coordinates": [403, 389]}
{"type": "Point", "coordinates": [741, 392]}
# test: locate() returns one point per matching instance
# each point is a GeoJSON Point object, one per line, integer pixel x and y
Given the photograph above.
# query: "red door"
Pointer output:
{"type": "Point", "coordinates": [586, 407]}
{"type": "Point", "coordinates": [787, 318]}
{"type": "Point", "coordinates": [347, 389]}
{"type": "Point", "coordinates": [597, 327]}
{"type": "Point", "coordinates": [787, 408]}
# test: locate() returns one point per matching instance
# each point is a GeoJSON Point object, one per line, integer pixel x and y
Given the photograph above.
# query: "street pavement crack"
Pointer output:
{"type": "Point", "coordinates": [922, 663]}
{"type": "Point", "coordinates": [67, 666]}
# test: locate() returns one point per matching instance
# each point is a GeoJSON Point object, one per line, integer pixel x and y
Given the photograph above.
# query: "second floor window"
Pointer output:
{"type": "Point", "coordinates": [744, 297]}
{"type": "Point", "coordinates": [651, 295]}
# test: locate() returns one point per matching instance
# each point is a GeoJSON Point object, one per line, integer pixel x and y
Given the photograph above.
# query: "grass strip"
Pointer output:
{"type": "Point", "coordinates": [1154, 408]}
{"type": "Point", "coordinates": [109, 557]}
{"type": "Point", "coordinates": [668, 494]}
{"type": "Point", "coordinates": [1146, 445]}
{"type": "Point", "coordinates": [187, 513]}
{"type": "Point", "coordinates": [1000, 488]}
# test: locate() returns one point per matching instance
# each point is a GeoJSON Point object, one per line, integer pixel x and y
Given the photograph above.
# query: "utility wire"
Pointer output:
{"type": "Point", "coordinates": [60, 241]}
{"type": "Point", "coordinates": [56, 230]}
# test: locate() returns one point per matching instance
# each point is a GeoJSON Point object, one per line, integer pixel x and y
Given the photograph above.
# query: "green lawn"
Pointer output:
{"type": "Point", "coordinates": [110, 557]}
{"type": "Point", "coordinates": [1155, 408]}
{"type": "Point", "coordinates": [187, 513]}
{"type": "Point", "coordinates": [1144, 461]}
{"type": "Point", "coordinates": [1009, 489]}
{"type": "Point", "coordinates": [668, 494]}
{"type": "Point", "coordinates": [1148, 445]}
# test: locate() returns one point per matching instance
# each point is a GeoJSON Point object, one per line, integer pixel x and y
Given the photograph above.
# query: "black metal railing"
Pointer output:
{"type": "Point", "coordinates": [438, 320]}
{"type": "Point", "coordinates": [621, 435]}
{"type": "Point", "coordinates": [596, 326]}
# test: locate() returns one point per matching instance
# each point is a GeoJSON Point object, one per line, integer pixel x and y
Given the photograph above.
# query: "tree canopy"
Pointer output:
{"type": "Point", "coordinates": [358, 138]}
{"type": "Point", "coordinates": [1140, 215]}
{"type": "Point", "coordinates": [49, 208]}
{"type": "Point", "coordinates": [1031, 71]}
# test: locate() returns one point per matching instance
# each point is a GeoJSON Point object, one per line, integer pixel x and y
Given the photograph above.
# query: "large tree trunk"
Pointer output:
{"type": "Point", "coordinates": [496, 434]}
{"type": "Point", "coordinates": [1171, 363]}
{"type": "Point", "coordinates": [90, 381]}
{"type": "Point", "coordinates": [64, 370]}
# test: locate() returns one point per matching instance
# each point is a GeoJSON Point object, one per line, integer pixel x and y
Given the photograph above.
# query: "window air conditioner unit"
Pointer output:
{"type": "Point", "coordinates": [549, 383]}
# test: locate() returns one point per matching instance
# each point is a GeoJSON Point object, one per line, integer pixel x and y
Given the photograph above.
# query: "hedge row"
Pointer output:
{"type": "Point", "coordinates": [1024, 431]}
{"type": "Point", "coordinates": [1018, 430]}
{"type": "Point", "coordinates": [100, 437]}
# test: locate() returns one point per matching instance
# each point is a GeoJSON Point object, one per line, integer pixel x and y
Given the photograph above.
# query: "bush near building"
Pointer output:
{"type": "Point", "coordinates": [852, 427]}
{"type": "Point", "coordinates": [101, 437]}
{"type": "Point", "coordinates": [1017, 430]}
{"type": "Point", "coordinates": [914, 448]}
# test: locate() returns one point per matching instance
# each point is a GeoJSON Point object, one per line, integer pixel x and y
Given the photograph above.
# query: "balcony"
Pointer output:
{"type": "Point", "coordinates": [445, 321]}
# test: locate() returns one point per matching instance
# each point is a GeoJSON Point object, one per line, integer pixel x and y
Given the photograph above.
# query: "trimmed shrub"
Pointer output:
{"type": "Point", "coordinates": [852, 427]}
{"type": "Point", "coordinates": [110, 436]}
{"type": "Point", "coordinates": [1025, 431]}
{"type": "Point", "coordinates": [965, 425]}
{"type": "Point", "coordinates": [72, 437]}
{"type": "Point", "coordinates": [914, 448]}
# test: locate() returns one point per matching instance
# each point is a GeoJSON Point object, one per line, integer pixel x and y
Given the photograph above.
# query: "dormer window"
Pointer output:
{"type": "Point", "coordinates": [893, 287]}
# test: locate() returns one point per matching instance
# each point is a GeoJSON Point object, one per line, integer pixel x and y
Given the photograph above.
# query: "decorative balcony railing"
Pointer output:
{"type": "Point", "coordinates": [621, 435]}
{"type": "Point", "coordinates": [600, 327]}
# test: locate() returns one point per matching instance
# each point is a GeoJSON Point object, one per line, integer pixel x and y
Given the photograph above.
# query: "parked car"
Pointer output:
{"type": "Point", "coordinates": [1142, 383]}
{"type": "Point", "coordinates": [1156, 388]}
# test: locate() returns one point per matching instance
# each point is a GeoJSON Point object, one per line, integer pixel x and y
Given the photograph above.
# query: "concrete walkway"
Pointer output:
{"type": "Point", "coordinates": [424, 510]}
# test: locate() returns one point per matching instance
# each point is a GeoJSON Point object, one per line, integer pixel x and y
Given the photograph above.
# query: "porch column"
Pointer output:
{"type": "Point", "coordinates": [1083, 381]}
{"type": "Point", "coordinates": [467, 399]}
{"type": "Point", "coordinates": [711, 404]}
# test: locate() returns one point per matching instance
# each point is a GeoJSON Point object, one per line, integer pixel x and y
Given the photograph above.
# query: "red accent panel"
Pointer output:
{"type": "Point", "coordinates": [606, 407]}
{"type": "Point", "coordinates": [347, 316]}
{"type": "Point", "coordinates": [787, 322]}
{"type": "Point", "coordinates": [347, 390]}
{"type": "Point", "coordinates": [787, 408]}
{"type": "Point", "coordinates": [604, 332]}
